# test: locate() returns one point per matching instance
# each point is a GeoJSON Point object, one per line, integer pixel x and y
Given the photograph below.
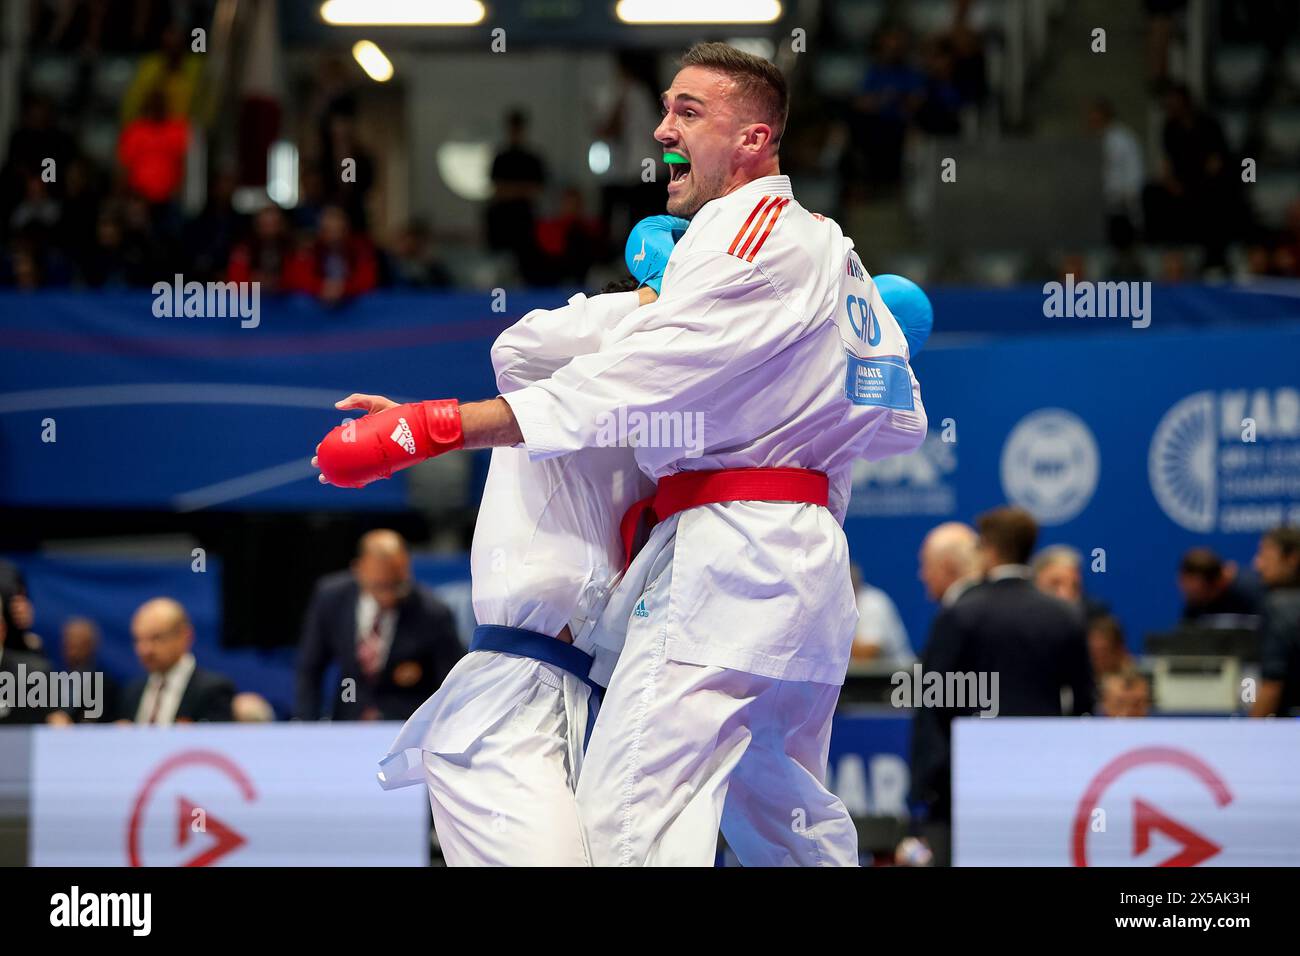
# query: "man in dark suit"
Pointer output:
{"type": "Point", "coordinates": [175, 689]}
{"type": "Point", "coordinates": [392, 641]}
{"type": "Point", "coordinates": [1034, 643]}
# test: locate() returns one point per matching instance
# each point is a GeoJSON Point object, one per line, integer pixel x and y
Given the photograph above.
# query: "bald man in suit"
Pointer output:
{"type": "Point", "coordinates": [175, 689]}
{"type": "Point", "coordinates": [391, 640]}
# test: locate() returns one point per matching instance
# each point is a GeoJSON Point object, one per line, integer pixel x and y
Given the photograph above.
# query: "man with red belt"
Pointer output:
{"type": "Point", "coordinates": [766, 367]}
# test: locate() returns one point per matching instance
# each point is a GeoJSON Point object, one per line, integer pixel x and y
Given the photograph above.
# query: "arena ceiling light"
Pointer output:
{"type": "Point", "coordinates": [402, 13]}
{"type": "Point", "coordinates": [698, 11]}
{"type": "Point", "coordinates": [377, 66]}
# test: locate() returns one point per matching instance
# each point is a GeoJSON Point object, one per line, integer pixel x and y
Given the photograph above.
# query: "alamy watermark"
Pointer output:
{"type": "Point", "coordinates": [1098, 300]}
{"type": "Point", "coordinates": [208, 300]}
{"type": "Point", "coordinates": [54, 690]}
{"type": "Point", "coordinates": [949, 690]}
{"type": "Point", "coordinates": [624, 429]}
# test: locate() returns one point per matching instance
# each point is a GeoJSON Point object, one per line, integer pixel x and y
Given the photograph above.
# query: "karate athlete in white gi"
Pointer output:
{"type": "Point", "coordinates": [736, 618]}
{"type": "Point", "coordinates": [500, 744]}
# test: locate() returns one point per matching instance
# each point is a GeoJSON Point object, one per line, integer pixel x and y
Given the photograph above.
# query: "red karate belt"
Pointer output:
{"type": "Point", "coordinates": [690, 489]}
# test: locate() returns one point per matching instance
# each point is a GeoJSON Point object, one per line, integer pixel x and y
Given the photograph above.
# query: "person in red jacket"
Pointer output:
{"type": "Point", "coordinates": [151, 151]}
{"type": "Point", "coordinates": [337, 265]}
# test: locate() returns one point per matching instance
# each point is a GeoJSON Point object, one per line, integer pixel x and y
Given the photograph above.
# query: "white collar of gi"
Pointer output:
{"type": "Point", "coordinates": [764, 186]}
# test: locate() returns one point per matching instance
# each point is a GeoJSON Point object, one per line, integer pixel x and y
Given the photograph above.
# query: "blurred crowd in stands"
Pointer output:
{"type": "Point", "coordinates": [67, 220]}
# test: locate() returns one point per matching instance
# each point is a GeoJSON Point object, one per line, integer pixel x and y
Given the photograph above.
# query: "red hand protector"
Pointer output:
{"type": "Point", "coordinates": [365, 449]}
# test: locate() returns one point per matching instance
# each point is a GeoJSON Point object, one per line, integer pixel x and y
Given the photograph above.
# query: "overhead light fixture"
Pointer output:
{"type": "Point", "coordinates": [377, 66]}
{"type": "Point", "coordinates": [402, 13]}
{"type": "Point", "coordinates": [698, 11]}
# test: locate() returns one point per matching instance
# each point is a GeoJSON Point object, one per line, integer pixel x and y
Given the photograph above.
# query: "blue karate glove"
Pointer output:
{"type": "Point", "coordinates": [649, 245]}
{"type": "Point", "coordinates": [911, 307]}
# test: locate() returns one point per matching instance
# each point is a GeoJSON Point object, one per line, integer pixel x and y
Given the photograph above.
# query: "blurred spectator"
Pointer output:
{"type": "Point", "coordinates": [32, 263]}
{"type": "Point", "coordinates": [338, 264]}
{"type": "Point", "coordinates": [173, 69]}
{"type": "Point", "coordinates": [1107, 647]}
{"type": "Point", "coordinates": [250, 708]}
{"type": "Point", "coordinates": [175, 689]}
{"type": "Point", "coordinates": [1212, 594]}
{"type": "Point", "coordinates": [34, 140]}
{"type": "Point", "coordinates": [938, 110]}
{"type": "Point", "coordinates": [880, 636]}
{"type": "Point", "coordinates": [80, 656]}
{"type": "Point", "coordinates": [970, 70]}
{"type": "Point", "coordinates": [569, 241]}
{"type": "Point", "coordinates": [151, 151]}
{"type": "Point", "coordinates": [18, 662]}
{"type": "Point", "coordinates": [1058, 571]}
{"type": "Point", "coordinates": [1277, 561]}
{"type": "Point", "coordinates": [891, 92]}
{"type": "Point", "coordinates": [82, 198]}
{"type": "Point", "coordinates": [410, 264]}
{"type": "Point", "coordinates": [1160, 30]}
{"type": "Point", "coordinates": [1122, 172]}
{"type": "Point", "coordinates": [264, 257]}
{"type": "Point", "coordinates": [1125, 693]}
{"type": "Point", "coordinates": [1198, 197]}
{"type": "Point", "coordinates": [37, 210]}
{"type": "Point", "coordinates": [18, 613]}
{"type": "Point", "coordinates": [949, 565]}
{"type": "Point", "coordinates": [1008, 626]}
{"type": "Point", "coordinates": [333, 92]}
{"type": "Point", "coordinates": [391, 640]}
{"type": "Point", "coordinates": [517, 177]}
{"type": "Point", "coordinates": [348, 187]}
{"type": "Point", "coordinates": [1004, 626]}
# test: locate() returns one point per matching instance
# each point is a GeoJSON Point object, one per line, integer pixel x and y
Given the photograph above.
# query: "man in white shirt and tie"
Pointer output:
{"type": "Point", "coordinates": [176, 689]}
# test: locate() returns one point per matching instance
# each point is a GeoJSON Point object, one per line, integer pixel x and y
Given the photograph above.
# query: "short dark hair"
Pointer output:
{"type": "Point", "coordinates": [1010, 531]}
{"type": "Point", "coordinates": [1201, 563]}
{"type": "Point", "coordinates": [626, 284]}
{"type": "Point", "coordinates": [758, 80]}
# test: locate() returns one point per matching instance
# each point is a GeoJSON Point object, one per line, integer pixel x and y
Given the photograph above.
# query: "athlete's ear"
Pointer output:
{"type": "Point", "coordinates": [756, 138]}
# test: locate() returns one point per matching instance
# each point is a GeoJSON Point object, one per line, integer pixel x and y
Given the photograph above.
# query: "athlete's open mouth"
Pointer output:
{"type": "Point", "coordinates": [679, 167]}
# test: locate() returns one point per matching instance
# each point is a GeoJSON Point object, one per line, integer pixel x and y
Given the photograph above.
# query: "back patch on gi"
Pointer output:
{"type": "Point", "coordinates": [883, 382]}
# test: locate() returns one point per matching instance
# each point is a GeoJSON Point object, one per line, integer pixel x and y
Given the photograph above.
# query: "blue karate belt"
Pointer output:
{"type": "Point", "coordinates": [548, 650]}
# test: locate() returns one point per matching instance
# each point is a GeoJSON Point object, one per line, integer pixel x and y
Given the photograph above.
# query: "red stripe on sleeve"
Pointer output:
{"type": "Point", "coordinates": [758, 226]}
{"type": "Point", "coordinates": [734, 242]}
{"type": "Point", "coordinates": [768, 231]}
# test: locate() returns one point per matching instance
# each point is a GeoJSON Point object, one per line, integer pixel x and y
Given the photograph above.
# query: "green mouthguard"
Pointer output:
{"type": "Point", "coordinates": [675, 158]}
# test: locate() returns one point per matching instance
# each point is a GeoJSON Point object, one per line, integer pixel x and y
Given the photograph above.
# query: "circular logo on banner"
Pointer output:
{"type": "Point", "coordinates": [200, 838]}
{"type": "Point", "coordinates": [1182, 462]}
{"type": "Point", "coordinates": [1050, 465]}
{"type": "Point", "coordinates": [1147, 818]}
{"type": "Point", "coordinates": [1229, 460]}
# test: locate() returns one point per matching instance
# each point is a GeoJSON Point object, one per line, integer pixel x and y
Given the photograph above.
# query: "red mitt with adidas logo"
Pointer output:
{"type": "Point", "coordinates": [365, 449]}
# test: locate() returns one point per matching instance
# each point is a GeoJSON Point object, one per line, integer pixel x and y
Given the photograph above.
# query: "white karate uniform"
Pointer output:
{"type": "Point", "coordinates": [500, 744]}
{"type": "Point", "coordinates": [736, 619]}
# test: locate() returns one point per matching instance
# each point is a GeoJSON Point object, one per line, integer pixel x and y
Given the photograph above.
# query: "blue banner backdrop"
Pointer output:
{"type": "Point", "coordinates": [1130, 444]}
